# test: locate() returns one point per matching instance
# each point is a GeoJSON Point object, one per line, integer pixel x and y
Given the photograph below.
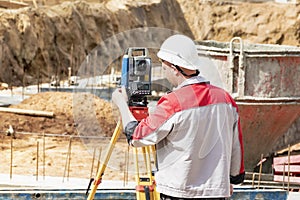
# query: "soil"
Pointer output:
{"type": "Point", "coordinates": [53, 135]}
{"type": "Point", "coordinates": [72, 112]}
{"type": "Point", "coordinates": [55, 160]}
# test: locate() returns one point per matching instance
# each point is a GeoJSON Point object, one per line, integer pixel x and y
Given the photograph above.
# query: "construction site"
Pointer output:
{"type": "Point", "coordinates": [61, 60]}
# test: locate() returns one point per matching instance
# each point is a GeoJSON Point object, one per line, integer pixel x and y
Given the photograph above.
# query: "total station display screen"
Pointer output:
{"type": "Point", "coordinates": [143, 87]}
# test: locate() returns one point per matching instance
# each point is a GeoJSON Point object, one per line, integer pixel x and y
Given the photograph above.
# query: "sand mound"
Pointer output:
{"type": "Point", "coordinates": [87, 113]}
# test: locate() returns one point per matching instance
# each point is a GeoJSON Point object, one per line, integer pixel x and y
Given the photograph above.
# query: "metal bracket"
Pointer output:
{"type": "Point", "coordinates": [241, 69]}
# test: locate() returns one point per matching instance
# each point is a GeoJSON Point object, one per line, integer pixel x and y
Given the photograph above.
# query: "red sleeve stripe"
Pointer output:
{"type": "Point", "coordinates": [242, 169]}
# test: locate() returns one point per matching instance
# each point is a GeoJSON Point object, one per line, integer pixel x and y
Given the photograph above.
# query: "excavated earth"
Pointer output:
{"type": "Point", "coordinates": [37, 43]}
{"type": "Point", "coordinates": [40, 42]}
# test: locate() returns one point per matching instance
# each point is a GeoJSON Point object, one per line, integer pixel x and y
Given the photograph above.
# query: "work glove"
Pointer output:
{"type": "Point", "coordinates": [129, 130]}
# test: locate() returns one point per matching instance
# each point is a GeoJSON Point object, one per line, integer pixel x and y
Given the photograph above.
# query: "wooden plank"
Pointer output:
{"type": "Point", "coordinates": [12, 4]}
{"type": "Point", "coordinates": [295, 159]}
{"type": "Point", "coordinates": [284, 168]}
{"type": "Point", "coordinates": [27, 112]}
{"type": "Point", "coordinates": [293, 179]}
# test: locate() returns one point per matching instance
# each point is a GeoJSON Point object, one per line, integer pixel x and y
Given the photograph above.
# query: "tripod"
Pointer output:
{"type": "Point", "coordinates": [145, 185]}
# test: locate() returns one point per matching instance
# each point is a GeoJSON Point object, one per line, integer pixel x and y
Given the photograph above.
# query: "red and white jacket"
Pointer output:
{"type": "Point", "coordinates": [197, 132]}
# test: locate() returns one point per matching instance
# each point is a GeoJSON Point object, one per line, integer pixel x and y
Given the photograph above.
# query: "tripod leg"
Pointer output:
{"type": "Point", "coordinates": [145, 184]}
{"type": "Point", "coordinates": [112, 143]}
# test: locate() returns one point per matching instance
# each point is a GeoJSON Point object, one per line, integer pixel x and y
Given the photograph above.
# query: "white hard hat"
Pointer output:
{"type": "Point", "coordinates": [180, 50]}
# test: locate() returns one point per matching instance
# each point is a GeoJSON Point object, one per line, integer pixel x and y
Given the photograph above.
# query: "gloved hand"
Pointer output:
{"type": "Point", "coordinates": [129, 129]}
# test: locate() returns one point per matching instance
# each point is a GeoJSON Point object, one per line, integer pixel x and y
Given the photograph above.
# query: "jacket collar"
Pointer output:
{"type": "Point", "coordinates": [193, 80]}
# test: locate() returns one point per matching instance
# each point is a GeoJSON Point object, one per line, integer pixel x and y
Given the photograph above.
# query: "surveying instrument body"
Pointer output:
{"type": "Point", "coordinates": [136, 78]}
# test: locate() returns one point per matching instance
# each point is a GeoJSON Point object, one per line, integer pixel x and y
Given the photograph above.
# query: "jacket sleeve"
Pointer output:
{"type": "Point", "coordinates": [237, 179]}
{"type": "Point", "coordinates": [237, 171]}
{"type": "Point", "coordinates": [157, 125]}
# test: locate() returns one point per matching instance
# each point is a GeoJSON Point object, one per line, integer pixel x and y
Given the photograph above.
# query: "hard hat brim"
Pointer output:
{"type": "Point", "coordinates": [176, 60]}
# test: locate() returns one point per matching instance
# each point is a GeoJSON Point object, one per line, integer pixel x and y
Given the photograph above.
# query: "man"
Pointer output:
{"type": "Point", "coordinates": [196, 129]}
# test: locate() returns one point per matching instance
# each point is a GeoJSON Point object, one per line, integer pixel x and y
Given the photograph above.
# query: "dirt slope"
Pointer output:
{"type": "Point", "coordinates": [37, 43]}
{"type": "Point", "coordinates": [269, 22]}
{"type": "Point", "coordinates": [40, 42]}
{"type": "Point", "coordinates": [96, 116]}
